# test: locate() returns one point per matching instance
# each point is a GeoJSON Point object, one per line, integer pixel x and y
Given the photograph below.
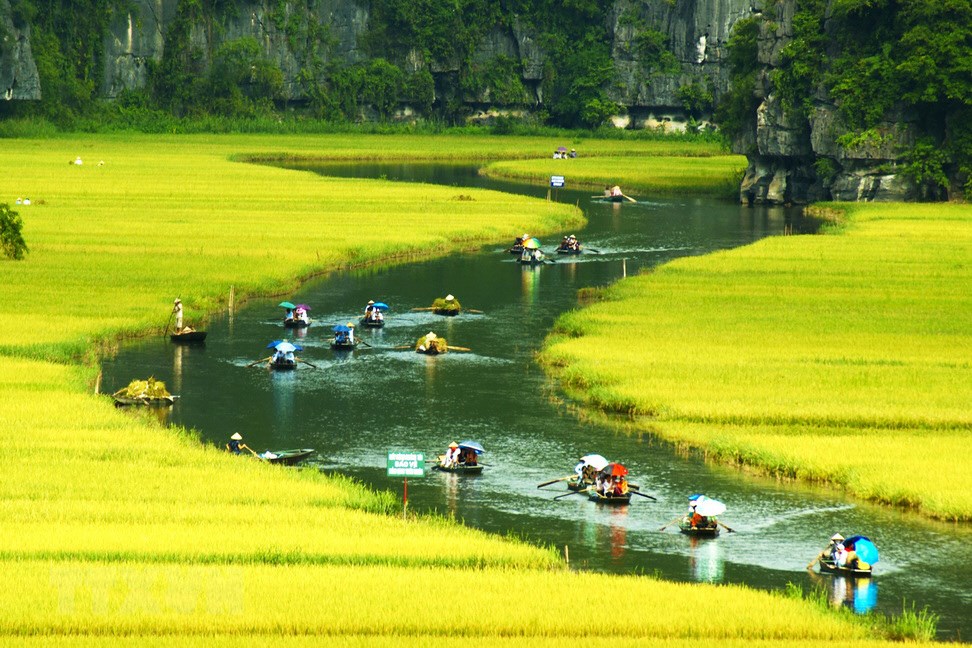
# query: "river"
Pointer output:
{"type": "Point", "coordinates": [355, 407]}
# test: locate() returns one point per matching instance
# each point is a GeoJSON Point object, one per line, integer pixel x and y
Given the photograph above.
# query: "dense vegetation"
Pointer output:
{"type": "Point", "coordinates": [879, 61]}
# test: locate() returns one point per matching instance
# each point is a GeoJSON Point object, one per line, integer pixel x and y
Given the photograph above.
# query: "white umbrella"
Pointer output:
{"type": "Point", "coordinates": [285, 347]}
{"type": "Point", "coordinates": [595, 460]}
{"type": "Point", "coordinates": [709, 507]}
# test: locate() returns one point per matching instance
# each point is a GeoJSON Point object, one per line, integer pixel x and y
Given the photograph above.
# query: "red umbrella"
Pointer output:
{"type": "Point", "coordinates": [614, 470]}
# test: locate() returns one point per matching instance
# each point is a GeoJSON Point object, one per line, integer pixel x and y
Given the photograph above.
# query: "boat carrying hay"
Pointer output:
{"type": "Point", "coordinates": [431, 344]}
{"type": "Point", "coordinates": [447, 305]}
{"type": "Point", "coordinates": [144, 392]}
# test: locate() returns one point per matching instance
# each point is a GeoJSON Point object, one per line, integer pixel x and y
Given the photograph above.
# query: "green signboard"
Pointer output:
{"type": "Point", "coordinates": [406, 464]}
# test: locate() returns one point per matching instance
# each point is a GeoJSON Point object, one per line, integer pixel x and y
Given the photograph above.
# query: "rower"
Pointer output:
{"type": "Point", "coordinates": [236, 444]}
{"type": "Point", "coordinates": [177, 310]}
{"type": "Point", "coordinates": [829, 553]}
{"type": "Point", "coordinates": [370, 310]}
{"type": "Point", "coordinates": [451, 455]}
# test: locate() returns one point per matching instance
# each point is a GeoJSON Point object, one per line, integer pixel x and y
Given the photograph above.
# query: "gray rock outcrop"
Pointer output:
{"type": "Point", "coordinates": [18, 71]}
{"type": "Point", "coordinates": [798, 159]}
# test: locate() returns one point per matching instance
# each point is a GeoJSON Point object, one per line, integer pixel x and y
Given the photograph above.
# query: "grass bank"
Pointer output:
{"type": "Point", "coordinates": [673, 169]}
{"type": "Point", "coordinates": [843, 358]}
{"type": "Point", "coordinates": [112, 527]}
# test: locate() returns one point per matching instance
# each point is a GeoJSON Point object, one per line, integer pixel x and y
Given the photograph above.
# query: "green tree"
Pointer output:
{"type": "Point", "coordinates": [12, 242]}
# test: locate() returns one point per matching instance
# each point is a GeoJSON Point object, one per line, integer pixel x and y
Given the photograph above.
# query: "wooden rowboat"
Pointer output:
{"type": "Point", "coordinates": [570, 251]}
{"type": "Point", "coordinates": [614, 500]}
{"type": "Point", "coordinates": [531, 261]}
{"type": "Point", "coordinates": [344, 345]}
{"type": "Point", "coordinates": [295, 323]}
{"type": "Point", "coordinates": [372, 323]}
{"type": "Point", "coordinates": [462, 469]}
{"type": "Point", "coordinates": [830, 567]}
{"type": "Point", "coordinates": [283, 365]}
{"type": "Point", "coordinates": [287, 457]}
{"type": "Point", "coordinates": [448, 312]}
{"type": "Point", "coordinates": [191, 336]}
{"type": "Point", "coordinates": [699, 532]}
{"type": "Point", "coordinates": [576, 484]}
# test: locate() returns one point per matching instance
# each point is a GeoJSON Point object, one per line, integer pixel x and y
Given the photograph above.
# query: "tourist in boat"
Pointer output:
{"type": "Point", "coordinates": [616, 191]}
{"type": "Point", "coordinates": [469, 457]}
{"type": "Point", "coordinates": [607, 191]}
{"type": "Point", "coordinates": [289, 315]}
{"type": "Point", "coordinates": [236, 445]}
{"type": "Point", "coordinates": [300, 314]}
{"type": "Point", "coordinates": [847, 557]}
{"type": "Point", "coordinates": [350, 332]}
{"type": "Point", "coordinates": [573, 153]}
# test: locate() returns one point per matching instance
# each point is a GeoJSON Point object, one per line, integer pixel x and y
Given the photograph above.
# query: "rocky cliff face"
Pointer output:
{"type": "Point", "coordinates": [18, 72]}
{"type": "Point", "coordinates": [797, 159]}
{"type": "Point", "coordinates": [697, 32]}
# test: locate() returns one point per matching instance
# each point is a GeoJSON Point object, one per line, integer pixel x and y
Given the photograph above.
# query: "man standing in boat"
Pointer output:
{"type": "Point", "coordinates": [177, 311]}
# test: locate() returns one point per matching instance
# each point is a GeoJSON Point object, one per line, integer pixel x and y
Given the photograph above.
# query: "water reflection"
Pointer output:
{"type": "Point", "coordinates": [530, 283]}
{"type": "Point", "coordinates": [857, 594]}
{"type": "Point", "coordinates": [705, 559]}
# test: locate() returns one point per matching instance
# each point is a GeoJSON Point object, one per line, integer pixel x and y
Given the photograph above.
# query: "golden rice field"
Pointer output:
{"type": "Point", "coordinates": [115, 528]}
{"type": "Point", "coordinates": [843, 358]}
{"type": "Point", "coordinates": [712, 174]}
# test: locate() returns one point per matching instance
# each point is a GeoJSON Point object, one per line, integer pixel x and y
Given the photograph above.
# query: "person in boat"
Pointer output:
{"type": "Point", "coordinates": [370, 310]}
{"type": "Point", "coordinates": [469, 457]}
{"type": "Point", "coordinates": [573, 153]}
{"type": "Point", "coordinates": [572, 243]}
{"type": "Point", "coordinates": [177, 311]}
{"type": "Point", "coordinates": [607, 191]}
{"type": "Point", "coordinates": [695, 520]}
{"type": "Point", "coordinates": [236, 445]}
{"type": "Point", "coordinates": [616, 191]}
{"type": "Point", "coordinates": [300, 315]}
{"type": "Point", "coordinates": [341, 337]}
{"type": "Point", "coordinates": [430, 342]}
{"type": "Point", "coordinates": [620, 487]}
{"type": "Point", "coordinates": [847, 557]}
{"type": "Point", "coordinates": [350, 332]}
{"type": "Point", "coordinates": [289, 315]}
{"type": "Point", "coordinates": [451, 456]}
{"type": "Point", "coordinates": [829, 553]}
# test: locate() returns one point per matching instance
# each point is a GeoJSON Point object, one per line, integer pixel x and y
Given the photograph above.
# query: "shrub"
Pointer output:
{"type": "Point", "coordinates": [11, 240]}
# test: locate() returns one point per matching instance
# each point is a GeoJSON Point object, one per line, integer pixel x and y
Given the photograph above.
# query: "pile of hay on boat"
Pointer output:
{"type": "Point", "coordinates": [145, 391]}
{"type": "Point", "coordinates": [447, 305]}
{"type": "Point", "coordinates": [431, 344]}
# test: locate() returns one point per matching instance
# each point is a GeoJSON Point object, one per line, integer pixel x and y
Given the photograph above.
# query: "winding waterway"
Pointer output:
{"type": "Point", "coordinates": [354, 407]}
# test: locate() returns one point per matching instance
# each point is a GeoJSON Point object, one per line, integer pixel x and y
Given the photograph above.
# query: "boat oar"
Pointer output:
{"type": "Point", "coordinates": [167, 322]}
{"type": "Point", "coordinates": [725, 527]}
{"type": "Point", "coordinates": [416, 310]}
{"type": "Point", "coordinates": [474, 311]}
{"type": "Point", "coordinates": [554, 481]}
{"type": "Point", "coordinates": [572, 493]}
{"type": "Point", "coordinates": [594, 250]}
{"type": "Point", "coordinates": [459, 348]}
{"type": "Point", "coordinates": [313, 366]}
{"type": "Point", "coordinates": [365, 343]}
{"type": "Point", "coordinates": [256, 362]}
{"type": "Point", "coordinates": [629, 198]}
{"type": "Point", "coordinates": [549, 260]}
{"type": "Point", "coordinates": [813, 562]}
{"type": "Point", "coordinates": [404, 346]}
{"type": "Point", "coordinates": [668, 524]}
{"type": "Point", "coordinates": [634, 492]}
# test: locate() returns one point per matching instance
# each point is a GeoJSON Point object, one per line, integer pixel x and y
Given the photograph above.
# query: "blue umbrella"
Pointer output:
{"type": "Point", "coordinates": [341, 328]}
{"type": "Point", "coordinates": [381, 306]}
{"type": "Point", "coordinates": [287, 305]}
{"type": "Point", "coordinates": [865, 549]}
{"type": "Point", "coordinates": [472, 445]}
{"type": "Point", "coordinates": [284, 346]}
